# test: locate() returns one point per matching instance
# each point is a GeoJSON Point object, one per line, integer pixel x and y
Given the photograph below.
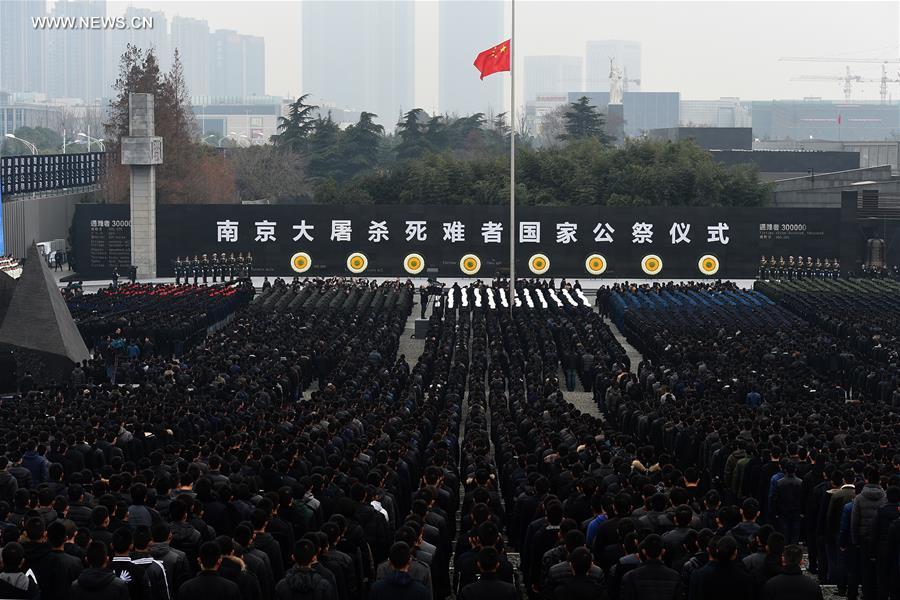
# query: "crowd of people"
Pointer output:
{"type": "Point", "coordinates": [11, 266]}
{"type": "Point", "coordinates": [168, 316]}
{"type": "Point", "coordinates": [298, 453]}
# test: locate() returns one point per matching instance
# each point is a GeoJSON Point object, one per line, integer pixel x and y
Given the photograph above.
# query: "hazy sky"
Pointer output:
{"type": "Point", "coordinates": [702, 49]}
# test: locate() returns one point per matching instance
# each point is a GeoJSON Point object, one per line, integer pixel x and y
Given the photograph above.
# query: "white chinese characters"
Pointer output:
{"type": "Point", "coordinates": [303, 231]}
{"type": "Point", "coordinates": [341, 231]}
{"type": "Point", "coordinates": [265, 231]}
{"type": "Point", "coordinates": [565, 232]}
{"type": "Point", "coordinates": [718, 233]}
{"type": "Point", "coordinates": [416, 230]}
{"type": "Point", "coordinates": [226, 231]}
{"type": "Point", "coordinates": [378, 231]}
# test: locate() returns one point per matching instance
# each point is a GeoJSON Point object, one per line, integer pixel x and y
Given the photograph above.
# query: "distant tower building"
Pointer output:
{"type": "Point", "coordinates": [627, 55]}
{"type": "Point", "coordinates": [225, 64]}
{"type": "Point", "coordinates": [77, 58]}
{"type": "Point", "coordinates": [191, 38]}
{"type": "Point", "coordinates": [254, 65]}
{"type": "Point", "coordinates": [237, 65]}
{"type": "Point", "coordinates": [465, 29]}
{"type": "Point", "coordinates": [549, 75]}
{"type": "Point", "coordinates": [22, 52]}
{"type": "Point", "coordinates": [145, 37]}
{"type": "Point", "coordinates": [360, 55]}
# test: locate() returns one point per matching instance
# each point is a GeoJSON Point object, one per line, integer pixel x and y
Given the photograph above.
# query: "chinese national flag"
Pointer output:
{"type": "Point", "coordinates": [493, 60]}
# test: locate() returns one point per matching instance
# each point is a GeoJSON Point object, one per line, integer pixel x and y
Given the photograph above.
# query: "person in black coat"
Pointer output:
{"type": "Point", "coordinates": [97, 582]}
{"type": "Point", "coordinates": [723, 576]}
{"type": "Point", "coordinates": [399, 586]}
{"type": "Point", "coordinates": [792, 584]}
{"type": "Point", "coordinates": [57, 570]}
{"type": "Point", "coordinates": [654, 580]}
{"type": "Point", "coordinates": [580, 586]}
{"type": "Point", "coordinates": [489, 586]}
{"type": "Point", "coordinates": [208, 583]}
{"type": "Point", "coordinates": [14, 582]}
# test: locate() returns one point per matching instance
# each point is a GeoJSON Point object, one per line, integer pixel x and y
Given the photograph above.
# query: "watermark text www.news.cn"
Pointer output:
{"type": "Point", "coordinates": [92, 23]}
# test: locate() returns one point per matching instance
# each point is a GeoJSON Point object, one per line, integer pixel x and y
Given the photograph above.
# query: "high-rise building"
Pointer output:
{"type": "Point", "coordinates": [550, 75]}
{"type": "Point", "coordinates": [253, 65]}
{"type": "Point", "coordinates": [627, 55]}
{"type": "Point", "coordinates": [237, 65]}
{"type": "Point", "coordinates": [145, 38]}
{"type": "Point", "coordinates": [360, 55]}
{"type": "Point", "coordinates": [465, 29]}
{"type": "Point", "coordinates": [77, 65]}
{"type": "Point", "coordinates": [191, 38]}
{"type": "Point", "coordinates": [22, 55]}
{"type": "Point", "coordinates": [226, 64]}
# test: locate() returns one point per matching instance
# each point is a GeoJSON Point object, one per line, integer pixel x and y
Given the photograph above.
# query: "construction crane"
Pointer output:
{"type": "Point", "coordinates": [848, 78]}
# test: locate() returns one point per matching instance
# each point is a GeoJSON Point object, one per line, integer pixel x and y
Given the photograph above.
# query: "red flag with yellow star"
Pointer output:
{"type": "Point", "coordinates": [493, 60]}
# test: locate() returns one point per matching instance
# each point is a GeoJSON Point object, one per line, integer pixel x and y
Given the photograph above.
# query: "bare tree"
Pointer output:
{"type": "Point", "coordinates": [550, 127]}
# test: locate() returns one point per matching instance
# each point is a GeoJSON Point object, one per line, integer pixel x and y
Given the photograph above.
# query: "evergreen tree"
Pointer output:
{"type": "Point", "coordinates": [324, 148]}
{"type": "Point", "coordinates": [582, 121]}
{"type": "Point", "coordinates": [295, 129]}
{"type": "Point", "coordinates": [360, 144]}
{"type": "Point", "coordinates": [412, 136]}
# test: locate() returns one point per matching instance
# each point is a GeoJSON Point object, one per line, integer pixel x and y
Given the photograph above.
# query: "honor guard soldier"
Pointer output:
{"type": "Point", "coordinates": [195, 268]}
{"type": "Point", "coordinates": [177, 270]}
{"type": "Point", "coordinates": [239, 265]}
{"type": "Point", "coordinates": [818, 272]}
{"type": "Point", "coordinates": [791, 267]}
{"type": "Point", "coordinates": [763, 272]}
{"type": "Point", "coordinates": [249, 263]}
{"type": "Point", "coordinates": [835, 269]}
{"type": "Point", "coordinates": [204, 267]}
{"type": "Point", "coordinates": [809, 266]}
{"type": "Point", "coordinates": [782, 268]}
{"type": "Point", "coordinates": [231, 267]}
{"type": "Point", "coordinates": [214, 267]}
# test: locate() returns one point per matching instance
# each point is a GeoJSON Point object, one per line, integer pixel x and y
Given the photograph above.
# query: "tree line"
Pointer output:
{"type": "Point", "coordinates": [426, 159]}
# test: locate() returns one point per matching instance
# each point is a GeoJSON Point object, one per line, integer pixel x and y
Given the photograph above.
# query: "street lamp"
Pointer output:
{"type": "Point", "coordinates": [92, 140]}
{"type": "Point", "coordinates": [27, 144]}
{"type": "Point", "coordinates": [240, 135]}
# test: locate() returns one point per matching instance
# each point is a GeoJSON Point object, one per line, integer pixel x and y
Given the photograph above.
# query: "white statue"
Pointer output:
{"type": "Point", "coordinates": [615, 82]}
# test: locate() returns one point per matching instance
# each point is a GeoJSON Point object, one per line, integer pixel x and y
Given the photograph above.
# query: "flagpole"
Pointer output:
{"type": "Point", "coordinates": [512, 161]}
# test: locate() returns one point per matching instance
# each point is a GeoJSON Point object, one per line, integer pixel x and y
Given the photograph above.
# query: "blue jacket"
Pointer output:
{"type": "Point", "coordinates": [844, 533]}
{"type": "Point", "coordinates": [37, 465]}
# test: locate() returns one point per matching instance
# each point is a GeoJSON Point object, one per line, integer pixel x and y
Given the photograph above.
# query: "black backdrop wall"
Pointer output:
{"type": "Point", "coordinates": [442, 235]}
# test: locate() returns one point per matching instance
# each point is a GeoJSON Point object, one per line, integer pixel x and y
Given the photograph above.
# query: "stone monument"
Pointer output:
{"type": "Point", "coordinates": [142, 150]}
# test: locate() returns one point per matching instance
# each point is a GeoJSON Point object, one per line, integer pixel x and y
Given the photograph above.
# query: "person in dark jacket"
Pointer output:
{"type": "Point", "coordinates": [723, 576]}
{"type": "Point", "coordinates": [174, 562]}
{"type": "Point", "coordinates": [301, 582]}
{"type": "Point", "coordinates": [489, 586]}
{"type": "Point", "coordinates": [97, 582]}
{"type": "Point", "coordinates": [57, 570]}
{"type": "Point", "coordinates": [863, 516]}
{"type": "Point", "coordinates": [887, 515]}
{"type": "Point", "coordinates": [8, 483]}
{"type": "Point", "coordinates": [153, 569]}
{"type": "Point", "coordinates": [262, 540]}
{"type": "Point", "coordinates": [654, 580]}
{"type": "Point", "coordinates": [36, 463]}
{"type": "Point", "coordinates": [208, 583]}
{"type": "Point", "coordinates": [134, 574]}
{"type": "Point", "coordinates": [580, 586]}
{"type": "Point", "coordinates": [234, 569]}
{"type": "Point", "coordinates": [787, 503]}
{"type": "Point", "coordinates": [792, 583]}
{"type": "Point", "coordinates": [399, 586]}
{"type": "Point", "coordinates": [14, 582]}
